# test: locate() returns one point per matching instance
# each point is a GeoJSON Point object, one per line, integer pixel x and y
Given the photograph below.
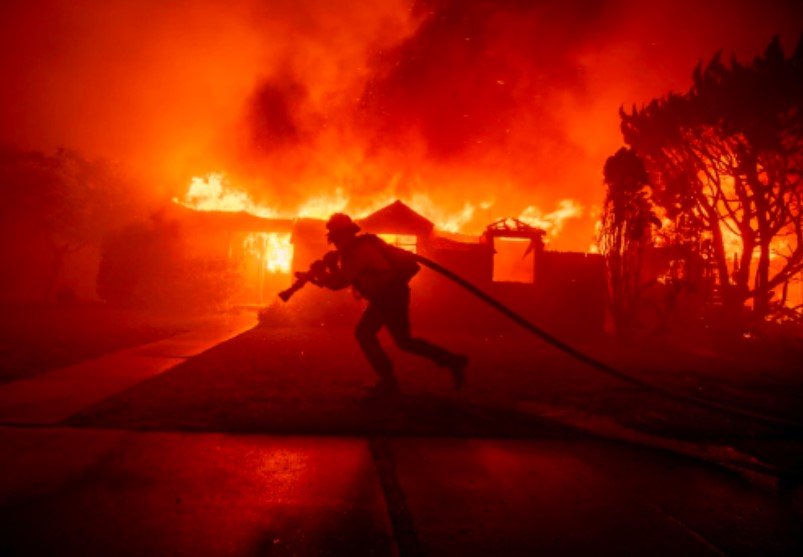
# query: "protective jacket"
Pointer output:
{"type": "Point", "coordinates": [372, 267]}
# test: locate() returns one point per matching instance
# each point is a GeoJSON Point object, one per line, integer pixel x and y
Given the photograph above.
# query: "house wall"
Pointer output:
{"type": "Point", "coordinates": [567, 296]}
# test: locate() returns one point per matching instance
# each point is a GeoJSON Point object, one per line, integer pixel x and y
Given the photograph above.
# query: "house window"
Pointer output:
{"type": "Point", "coordinates": [514, 260]}
{"type": "Point", "coordinates": [403, 241]}
{"type": "Point", "coordinates": [272, 251]}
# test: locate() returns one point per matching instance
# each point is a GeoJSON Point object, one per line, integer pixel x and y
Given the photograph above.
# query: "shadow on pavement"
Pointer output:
{"type": "Point", "coordinates": [301, 381]}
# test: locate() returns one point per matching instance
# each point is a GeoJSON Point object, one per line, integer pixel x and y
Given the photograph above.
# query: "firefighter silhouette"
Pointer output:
{"type": "Point", "coordinates": [380, 273]}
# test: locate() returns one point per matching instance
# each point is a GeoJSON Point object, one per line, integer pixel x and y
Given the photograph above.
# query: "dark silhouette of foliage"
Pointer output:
{"type": "Point", "coordinates": [626, 231]}
{"type": "Point", "coordinates": [724, 162]}
{"type": "Point", "coordinates": [54, 206]}
{"type": "Point", "coordinates": [146, 264]}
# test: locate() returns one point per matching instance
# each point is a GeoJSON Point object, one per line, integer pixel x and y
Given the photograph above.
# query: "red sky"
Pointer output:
{"type": "Point", "coordinates": [508, 103]}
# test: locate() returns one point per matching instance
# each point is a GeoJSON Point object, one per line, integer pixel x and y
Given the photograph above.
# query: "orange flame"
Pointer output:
{"type": "Point", "coordinates": [275, 250]}
{"type": "Point", "coordinates": [552, 222]}
{"type": "Point", "coordinates": [279, 253]}
{"type": "Point", "coordinates": [215, 193]}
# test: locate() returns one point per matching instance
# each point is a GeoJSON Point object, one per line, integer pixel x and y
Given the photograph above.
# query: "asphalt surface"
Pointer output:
{"type": "Point", "coordinates": [266, 445]}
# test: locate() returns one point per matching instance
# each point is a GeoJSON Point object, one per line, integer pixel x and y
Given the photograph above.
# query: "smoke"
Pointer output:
{"type": "Point", "coordinates": [487, 108]}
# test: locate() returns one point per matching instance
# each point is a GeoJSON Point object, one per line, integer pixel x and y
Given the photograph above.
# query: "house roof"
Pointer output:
{"type": "Point", "coordinates": [397, 218]}
{"type": "Point", "coordinates": [513, 228]}
{"type": "Point", "coordinates": [224, 220]}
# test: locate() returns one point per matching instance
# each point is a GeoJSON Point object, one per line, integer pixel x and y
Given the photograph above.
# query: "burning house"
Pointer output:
{"type": "Point", "coordinates": [509, 260]}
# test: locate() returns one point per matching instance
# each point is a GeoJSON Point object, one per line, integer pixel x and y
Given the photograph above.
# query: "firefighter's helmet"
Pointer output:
{"type": "Point", "coordinates": [340, 224]}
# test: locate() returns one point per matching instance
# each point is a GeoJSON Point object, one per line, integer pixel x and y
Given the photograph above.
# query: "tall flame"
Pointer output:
{"type": "Point", "coordinates": [279, 253]}
{"type": "Point", "coordinates": [275, 250]}
{"type": "Point", "coordinates": [552, 222]}
{"type": "Point", "coordinates": [214, 192]}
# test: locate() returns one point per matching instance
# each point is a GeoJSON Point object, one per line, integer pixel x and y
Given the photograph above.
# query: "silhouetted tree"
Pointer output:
{"type": "Point", "coordinates": [725, 158]}
{"type": "Point", "coordinates": [146, 264]}
{"type": "Point", "coordinates": [53, 206]}
{"type": "Point", "coordinates": [627, 220]}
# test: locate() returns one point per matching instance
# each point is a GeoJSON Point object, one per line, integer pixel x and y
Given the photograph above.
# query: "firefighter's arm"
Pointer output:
{"type": "Point", "coordinates": [330, 274]}
{"type": "Point", "coordinates": [333, 280]}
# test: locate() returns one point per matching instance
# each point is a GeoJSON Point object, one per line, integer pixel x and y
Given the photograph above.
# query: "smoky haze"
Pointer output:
{"type": "Point", "coordinates": [508, 106]}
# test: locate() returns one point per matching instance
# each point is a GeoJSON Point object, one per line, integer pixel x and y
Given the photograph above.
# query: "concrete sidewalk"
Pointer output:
{"type": "Point", "coordinates": [52, 397]}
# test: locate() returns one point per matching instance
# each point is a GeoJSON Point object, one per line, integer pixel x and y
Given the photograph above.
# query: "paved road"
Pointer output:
{"type": "Point", "coordinates": [206, 458]}
{"type": "Point", "coordinates": [112, 492]}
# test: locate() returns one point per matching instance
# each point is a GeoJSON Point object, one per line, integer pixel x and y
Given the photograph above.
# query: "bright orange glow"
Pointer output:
{"type": "Point", "coordinates": [275, 250]}
{"type": "Point", "coordinates": [321, 207]}
{"type": "Point", "coordinates": [403, 241]}
{"type": "Point", "coordinates": [278, 253]}
{"type": "Point", "coordinates": [467, 115]}
{"type": "Point", "coordinates": [552, 222]}
{"type": "Point", "coordinates": [448, 222]}
{"type": "Point", "coordinates": [513, 261]}
{"type": "Point", "coordinates": [214, 192]}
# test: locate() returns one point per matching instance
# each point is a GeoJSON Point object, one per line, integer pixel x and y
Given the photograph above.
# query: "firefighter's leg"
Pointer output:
{"type": "Point", "coordinates": [367, 329]}
{"type": "Point", "coordinates": [396, 317]}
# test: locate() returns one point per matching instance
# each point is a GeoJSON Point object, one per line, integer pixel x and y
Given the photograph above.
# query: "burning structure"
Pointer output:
{"type": "Point", "coordinates": [509, 259]}
{"type": "Point", "coordinates": [482, 109]}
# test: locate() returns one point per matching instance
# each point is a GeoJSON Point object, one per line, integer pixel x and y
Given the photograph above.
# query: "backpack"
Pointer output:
{"type": "Point", "coordinates": [404, 263]}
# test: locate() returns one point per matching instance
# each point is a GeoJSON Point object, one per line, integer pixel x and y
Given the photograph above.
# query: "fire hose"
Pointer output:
{"type": "Point", "coordinates": [594, 363]}
{"type": "Point", "coordinates": [598, 364]}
